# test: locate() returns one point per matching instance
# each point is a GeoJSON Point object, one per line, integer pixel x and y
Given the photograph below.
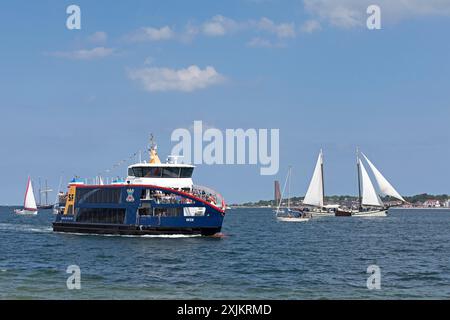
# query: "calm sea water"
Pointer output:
{"type": "Point", "coordinates": [259, 258]}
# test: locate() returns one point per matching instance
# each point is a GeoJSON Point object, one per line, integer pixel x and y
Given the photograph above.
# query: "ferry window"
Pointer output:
{"type": "Point", "coordinates": [145, 211]}
{"type": "Point", "coordinates": [136, 172]}
{"type": "Point", "coordinates": [100, 215]}
{"type": "Point", "coordinates": [152, 172]}
{"type": "Point", "coordinates": [186, 172]}
{"type": "Point", "coordinates": [70, 209]}
{"type": "Point", "coordinates": [171, 172]}
{"type": "Point", "coordinates": [168, 212]}
{"type": "Point", "coordinates": [98, 195]}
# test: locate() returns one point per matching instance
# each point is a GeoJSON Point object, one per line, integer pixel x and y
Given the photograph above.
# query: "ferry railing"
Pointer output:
{"type": "Point", "coordinates": [209, 195]}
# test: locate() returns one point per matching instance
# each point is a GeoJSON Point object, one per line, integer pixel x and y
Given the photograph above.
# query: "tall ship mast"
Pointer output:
{"type": "Point", "coordinates": [45, 192]}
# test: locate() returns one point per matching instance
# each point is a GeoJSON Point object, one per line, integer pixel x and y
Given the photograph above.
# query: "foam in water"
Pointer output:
{"type": "Point", "coordinates": [170, 236]}
{"type": "Point", "coordinates": [24, 227]}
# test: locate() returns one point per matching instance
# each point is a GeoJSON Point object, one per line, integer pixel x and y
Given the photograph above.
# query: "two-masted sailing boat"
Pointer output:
{"type": "Point", "coordinates": [29, 206]}
{"type": "Point", "coordinates": [316, 192]}
{"type": "Point", "coordinates": [45, 192]}
{"type": "Point", "coordinates": [370, 203]}
{"type": "Point", "coordinates": [287, 214]}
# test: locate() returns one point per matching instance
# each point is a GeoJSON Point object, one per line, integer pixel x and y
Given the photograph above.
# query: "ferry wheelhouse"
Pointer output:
{"type": "Point", "coordinates": [155, 198]}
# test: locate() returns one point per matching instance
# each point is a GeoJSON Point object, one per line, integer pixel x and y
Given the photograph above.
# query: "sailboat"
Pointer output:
{"type": "Point", "coordinates": [29, 206]}
{"type": "Point", "coordinates": [316, 192]}
{"type": "Point", "coordinates": [59, 204]}
{"type": "Point", "coordinates": [370, 203]}
{"type": "Point", "coordinates": [46, 191]}
{"type": "Point", "coordinates": [287, 214]}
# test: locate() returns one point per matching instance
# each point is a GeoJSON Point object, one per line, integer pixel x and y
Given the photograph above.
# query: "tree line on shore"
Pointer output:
{"type": "Point", "coordinates": [338, 199]}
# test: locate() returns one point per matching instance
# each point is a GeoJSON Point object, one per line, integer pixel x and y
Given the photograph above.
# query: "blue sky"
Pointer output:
{"type": "Point", "coordinates": [78, 101]}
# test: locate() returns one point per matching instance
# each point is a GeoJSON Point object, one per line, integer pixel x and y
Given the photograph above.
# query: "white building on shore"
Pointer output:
{"type": "Point", "coordinates": [432, 204]}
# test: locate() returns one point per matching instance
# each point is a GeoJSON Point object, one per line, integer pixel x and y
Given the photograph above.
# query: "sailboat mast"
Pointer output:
{"type": "Point", "coordinates": [323, 183]}
{"type": "Point", "coordinates": [46, 192]}
{"type": "Point", "coordinates": [358, 166]}
{"type": "Point", "coordinates": [289, 188]}
{"type": "Point", "coordinates": [282, 193]}
{"type": "Point", "coordinates": [40, 192]}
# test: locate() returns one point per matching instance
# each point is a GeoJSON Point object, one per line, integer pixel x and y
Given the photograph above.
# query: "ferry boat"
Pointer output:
{"type": "Point", "coordinates": [155, 199]}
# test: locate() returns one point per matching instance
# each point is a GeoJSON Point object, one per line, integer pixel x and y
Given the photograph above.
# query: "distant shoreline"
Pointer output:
{"type": "Point", "coordinates": [392, 208]}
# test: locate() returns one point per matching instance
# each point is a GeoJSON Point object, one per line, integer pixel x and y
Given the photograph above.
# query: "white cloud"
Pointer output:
{"type": "Point", "coordinates": [310, 26]}
{"type": "Point", "coordinates": [352, 13]}
{"type": "Point", "coordinates": [219, 26]}
{"type": "Point", "coordinates": [84, 54]}
{"type": "Point", "coordinates": [190, 32]}
{"type": "Point", "coordinates": [166, 79]}
{"type": "Point", "coordinates": [152, 34]}
{"type": "Point", "coordinates": [259, 42]}
{"type": "Point", "coordinates": [98, 37]}
{"type": "Point", "coordinates": [282, 30]}
{"type": "Point", "coordinates": [149, 61]}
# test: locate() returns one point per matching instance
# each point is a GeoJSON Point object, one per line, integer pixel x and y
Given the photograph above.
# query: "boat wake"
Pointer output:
{"type": "Point", "coordinates": [24, 228]}
{"type": "Point", "coordinates": [219, 235]}
{"type": "Point", "coordinates": [161, 236]}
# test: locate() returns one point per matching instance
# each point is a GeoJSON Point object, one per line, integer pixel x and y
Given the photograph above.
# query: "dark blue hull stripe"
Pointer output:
{"type": "Point", "coordinates": [132, 230]}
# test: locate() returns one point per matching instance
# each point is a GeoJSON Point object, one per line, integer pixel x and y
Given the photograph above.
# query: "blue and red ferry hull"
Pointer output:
{"type": "Point", "coordinates": [118, 210]}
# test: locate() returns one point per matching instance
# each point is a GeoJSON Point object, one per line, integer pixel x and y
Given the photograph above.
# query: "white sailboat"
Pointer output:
{"type": "Point", "coordinates": [316, 191]}
{"type": "Point", "coordinates": [287, 214]}
{"type": "Point", "coordinates": [29, 206]}
{"type": "Point", "coordinates": [57, 205]}
{"type": "Point", "coordinates": [370, 203]}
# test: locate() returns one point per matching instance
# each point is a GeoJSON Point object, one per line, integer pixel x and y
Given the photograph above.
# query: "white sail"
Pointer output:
{"type": "Point", "coordinates": [30, 201]}
{"type": "Point", "coordinates": [369, 196]}
{"type": "Point", "coordinates": [314, 195]}
{"type": "Point", "coordinates": [384, 185]}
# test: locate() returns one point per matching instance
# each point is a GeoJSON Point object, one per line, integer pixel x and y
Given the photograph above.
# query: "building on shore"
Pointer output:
{"type": "Point", "coordinates": [432, 204]}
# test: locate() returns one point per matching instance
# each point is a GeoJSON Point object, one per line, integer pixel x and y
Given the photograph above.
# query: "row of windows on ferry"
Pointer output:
{"type": "Point", "coordinates": [117, 216]}
{"type": "Point", "coordinates": [113, 196]}
{"type": "Point", "coordinates": [156, 172]}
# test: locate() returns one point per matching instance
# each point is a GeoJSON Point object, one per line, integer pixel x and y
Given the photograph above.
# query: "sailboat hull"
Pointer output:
{"type": "Point", "coordinates": [343, 213]}
{"type": "Point", "coordinates": [25, 212]}
{"type": "Point", "coordinates": [292, 219]}
{"type": "Point", "coordinates": [374, 213]}
{"type": "Point", "coordinates": [317, 214]}
{"type": "Point", "coordinates": [45, 206]}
